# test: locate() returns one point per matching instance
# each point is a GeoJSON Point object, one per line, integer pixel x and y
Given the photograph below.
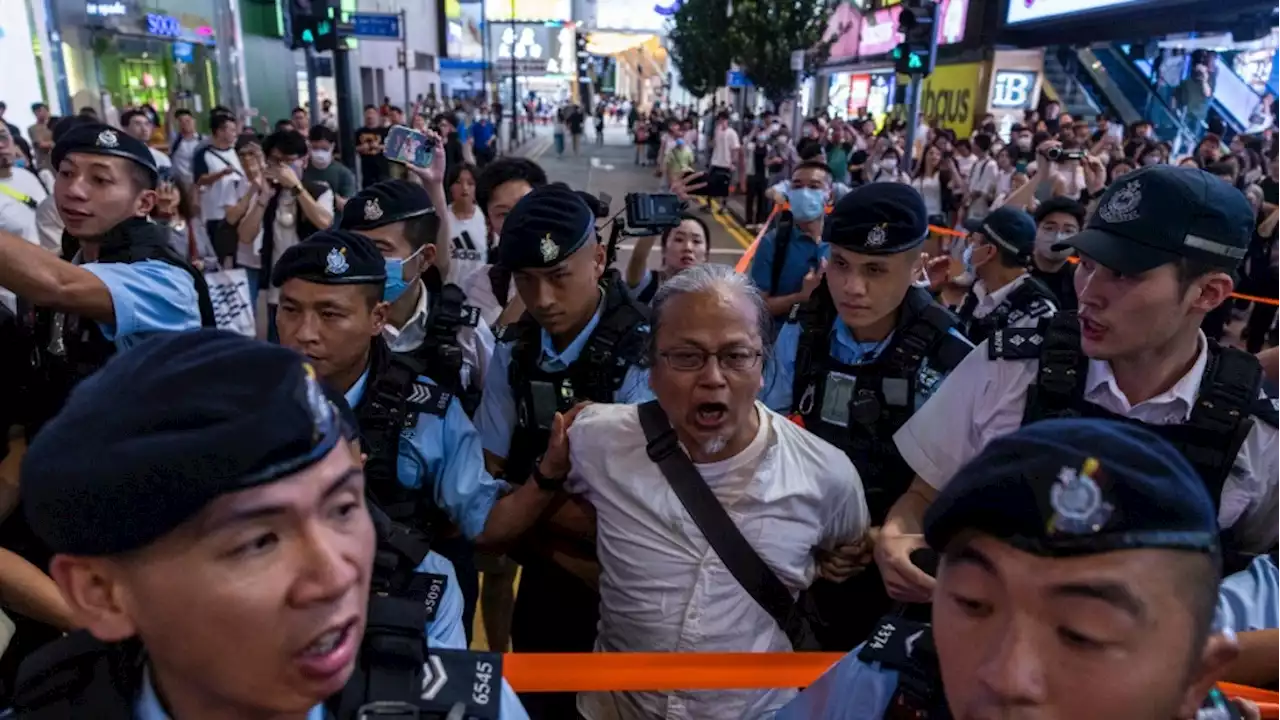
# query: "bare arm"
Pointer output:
{"type": "Point", "coordinates": [1270, 359]}
{"type": "Point", "coordinates": [638, 263]}
{"type": "Point", "coordinates": [251, 224]}
{"type": "Point", "coordinates": [318, 215]}
{"type": "Point", "coordinates": [236, 213]}
{"type": "Point", "coordinates": [47, 280]}
{"type": "Point", "coordinates": [24, 589]}
{"type": "Point", "coordinates": [1257, 665]}
{"type": "Point", "coordinates": [1268, 224]}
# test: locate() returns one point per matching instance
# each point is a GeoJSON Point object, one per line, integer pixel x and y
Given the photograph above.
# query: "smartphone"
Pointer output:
{"type": "Point", "coordinates": [408, 146]}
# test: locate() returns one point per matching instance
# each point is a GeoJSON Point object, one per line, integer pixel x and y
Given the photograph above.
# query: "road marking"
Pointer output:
{"type": "Point", "coordinates": [732, 228]}
{"type": "Point", "coordinates": [595, 163]}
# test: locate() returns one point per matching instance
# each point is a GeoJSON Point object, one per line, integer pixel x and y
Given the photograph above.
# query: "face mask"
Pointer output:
{"type": "Point", "coordinates": [396, 282]}
{"type": "Point", "coordinates": [1024, 143]}
{"type": "Point", "coordinates": [889, 164]}
{"type": "Point", "coordinates": [321, 158]}
{"type": "Point", "coordinates": [19, 162]}
{"type": "Point", "coordinates": [967, 258]}
{"type": "Point", "coordinates": [807, 204]}
{"type": "Point", "coordinates": [679, 142]}
{"type": "Point", "coordinates": [1151, 160]}
{"type": "Point", "coordinates": [1045, 241]}
{"type": "Point", "coordinates": [773, 126]}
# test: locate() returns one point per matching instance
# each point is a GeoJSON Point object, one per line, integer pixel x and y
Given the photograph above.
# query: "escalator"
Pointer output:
{"type": "Point", "coordinates": [1233, 99]}
{"type": "Point", "coordinates": [1129, 91]}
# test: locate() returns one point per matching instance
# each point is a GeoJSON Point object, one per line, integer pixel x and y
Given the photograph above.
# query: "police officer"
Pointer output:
{"type": "Point", "coordinates": [1079, 573]}
{"type": "Point", "coordinates": [858, 359]}
{"type": "Point", "coordinates": [1004, 294]}
{"type": "Point", "coordinates": [500, 186]}
{"type": "Point", "coordinates": [1157, 255]}
{"type": "Point", "coordinates": [435, 328]}
{"type": "Point", "coordinates": [223, 464]}
{"type": "Point", "coordinates": [582, 338]}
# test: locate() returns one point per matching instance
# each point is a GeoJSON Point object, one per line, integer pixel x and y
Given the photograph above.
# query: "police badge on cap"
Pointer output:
{"type": "Point", "coordinates": [372, 210]}
{"type": "Point", "coordinates": [1076, 499]}
{"type": "Point", "coordinates": [549, 248]}
{"type": "Point", "coordinates": [336, 262]}
{"type": "Point", "coordinates": [108, 139]}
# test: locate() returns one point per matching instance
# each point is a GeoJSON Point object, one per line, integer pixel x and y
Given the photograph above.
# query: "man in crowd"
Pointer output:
{"type": "Point", "coordinates": [582, 338]}
{"type": "Point", "coordinates": [726, 155]}
{"type": "Point", "coordinates": [1157, 256]}
{"type": "Point", "coordinates": [284, 511]}
{"type": "Point", "coordinates": [1080, 563]}
{"type": "Point", "coordinates": [21, 193]}
{"type": "Point", "coordinates": [300, 118]}
{"type": "Point", "coordinates": [185, 144]}
{"type": "Point", "coordinates": [791, 259]}
{"type": "Point", "coordinates": [484, 139]}
{"type": "Point", "coordinates": [1057, 219]}
{"type": "Point", "coordinates": [792, 496]}
{"type": "Point", "coordinates": [1004, 294]}
{"type": "Point", "coordinates": [369, 140]}
{"type": "Point", "coordinates": [219, 176]}
{"type": "Point", "coordinates": [498, 189]}
{"type": "Point", "coordinates": [41, 136]}
{"type": "Point", "coordinates": [323, 167]}
{"type": "Point", "coordinates": [858, 359]}
{"type": "Point", "coordinates": [138, 124]}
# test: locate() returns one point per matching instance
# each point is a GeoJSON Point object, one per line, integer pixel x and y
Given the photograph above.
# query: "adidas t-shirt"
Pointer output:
{"type": "Point", "coordinates": [468, 245]}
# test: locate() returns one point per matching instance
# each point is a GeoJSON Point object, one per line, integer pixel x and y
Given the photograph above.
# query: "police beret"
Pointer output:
{"type": "Point", "coordinates": [1008, 228]}
{"type": "Point", "coordinates": [386, 202]}
{"type": "Point", "coordinates": [165, 428]}
{"type": "Point", "coordinates": [545, 227]}
{"type": "Point", "coordinates": [332, 257]}
{"type": "Point", "coordinates": [1078, 487]}
{"type": "Point", "coordinates": [99, 139]}
{"type": "Point", "coordinates": [879, 219]}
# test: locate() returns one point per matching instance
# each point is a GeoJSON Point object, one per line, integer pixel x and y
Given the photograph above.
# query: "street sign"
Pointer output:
{"type": "Point", "coordinates": [797, 60]}
{"type": "Point", "coordinates": [375, 25]}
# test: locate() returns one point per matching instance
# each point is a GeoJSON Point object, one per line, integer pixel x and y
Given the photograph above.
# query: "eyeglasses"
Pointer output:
{"type": "Point", "coordinates": [732, 359]}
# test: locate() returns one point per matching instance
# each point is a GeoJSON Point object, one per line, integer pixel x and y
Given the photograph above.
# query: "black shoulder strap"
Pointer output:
{"type": "Point", "coordinates": [1227, 394]}
{"type": "Point", "coordinates": [742, 561]}
{"type": "Point", "coordinates": [907, 646]}
{"type": "Point", "coordinates": [815, 318]}
{"type": "Point", "coordinates": [1031, 299]}
{"type": "Point", "coordinates": [646, 296]}
{"type": "Point", "coordinates": [925, 331]}
{"type": "Point", "coordinates": [781, 239]}
{"type": "Point", "coordinates": [383, 412]}
{"type": "Point", "coordinates": [79, 677]}
{"type": "Point", "coordinates": [617, 343]}
{"type": "Point", "coordinates": [1058, 389]}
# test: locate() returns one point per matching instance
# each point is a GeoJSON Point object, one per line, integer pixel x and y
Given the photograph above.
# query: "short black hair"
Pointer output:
{"type": "Point", "coordinates": [397, 108]}
{"type": "Point", "coordinates": [288, 142]}
{"type": "Point", "coordinates": [722, 115]}
{"type": "Point", "coordinates": [455, 172]}
{"type": "Point", "coordinates": [3, 106]}
{"type": "Point", "coordinates": [374, 108]}
{"type": "Point", "coordinates": [1061, 204]}
{"type": "Point", "coordinates": [1222, 168]}
{"type": "Point", "coordinates": [504, 171]}
{"type": "Point", "coordinates": [322, 133]}
{"type": "Point", "coordinates": [182, 112]}
{"type": "Point", "coordinates": [88, 111]}
{"type": "Point", "coordinates": [814, 165]}
{"type": "Point", "coordinates": [982, 141]}
{"type": "Point", "coordinates": [297, 110]}
{"type": "Point", "coordinates": [127, 117]}
{"type": "Point", "coordinates": [809, 152]}
{"type": "Point", "coordinates": [284, 123]}
{"type": "Point", "coordinates": [219, 110]}
{"type": "Point", "coordinates": [219, 120]}
{"type": "Point", "coordinates": [37, 107]}
{"type": "Point", "coordinates": [706, 231]}
{"type": "Point", "coordinates": [421, 230]}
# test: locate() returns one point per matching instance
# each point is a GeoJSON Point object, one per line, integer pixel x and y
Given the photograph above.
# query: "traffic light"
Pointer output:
{"type": "Point", "coordinates": [301, 30]}
{"type": "Point", "coordinates": [918, 51]}
{"type": "Point", "coordinates": [325, 13]}
{"type": "Point", "coordinates": [314, 23]}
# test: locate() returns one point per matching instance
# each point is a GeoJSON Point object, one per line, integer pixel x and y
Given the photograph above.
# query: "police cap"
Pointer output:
{"type": "Point", "coordinates": [100, 139]}
{"type": "Point", "coordinates": [1008, 228]}
{"type": "Point", "coordinates": [879, 219]}
{"type": "Point", "coordinates": [332, 257]}
{"type": "Point", "coordinates": [545, 227]}
{"type": "Point", "coordinates": [386, 202]}
{"type": "Point", "coordinates": [1078, 487]}
{"type": "Point", "coordinates": [1163, 213]}
{"type": "Point", "coordinates": [162, 430]}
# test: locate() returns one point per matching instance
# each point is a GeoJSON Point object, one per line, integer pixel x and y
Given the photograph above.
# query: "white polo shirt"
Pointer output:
{"type": "Point", "coordinates": [983, 399]}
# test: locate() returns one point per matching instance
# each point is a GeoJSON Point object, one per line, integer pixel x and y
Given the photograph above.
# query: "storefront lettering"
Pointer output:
{"type": "Point", "coordinates": [948, 106]}
{"type": "Point", "coordinates": [163, 25]}
{"type": "Point", "coordinates": [111, 9]}
{"type": "Point", "coordinates": [950, 94]}
{"type": "Point", "coordinates": [1012, 90]}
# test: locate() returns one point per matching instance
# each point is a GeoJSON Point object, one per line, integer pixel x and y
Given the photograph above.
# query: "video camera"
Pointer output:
{"type": "Point", "coordinates": [646, 214]}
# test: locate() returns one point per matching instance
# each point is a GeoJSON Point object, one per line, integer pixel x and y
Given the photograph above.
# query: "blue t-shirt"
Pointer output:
{"type": "Point", "coordinates": [481, 133]}
{"type": "Point", "coordinates": [803, 254]}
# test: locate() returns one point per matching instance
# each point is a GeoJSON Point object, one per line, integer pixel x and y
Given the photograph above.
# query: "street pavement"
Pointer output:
{"type": "Point", "coordinates": [610, 168]}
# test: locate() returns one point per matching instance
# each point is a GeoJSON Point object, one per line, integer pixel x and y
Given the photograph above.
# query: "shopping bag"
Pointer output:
{"type": "Point", "coordinates": [229, 291]}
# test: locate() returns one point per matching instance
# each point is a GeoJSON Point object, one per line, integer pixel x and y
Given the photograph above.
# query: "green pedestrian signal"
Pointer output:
{"type": "Point", "coordinates": [915, 63]}
{"type": "Point", "coordinates": [307, 37]}
{"type": "Point", "coordinates": [324, 27]}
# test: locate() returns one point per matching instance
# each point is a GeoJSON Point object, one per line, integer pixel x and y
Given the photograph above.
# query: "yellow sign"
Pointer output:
{"type": "Point", "coordinates": [950, 96]}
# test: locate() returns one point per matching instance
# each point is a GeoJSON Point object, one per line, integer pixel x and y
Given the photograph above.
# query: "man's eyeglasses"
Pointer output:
{"type": "Point", "coordinates": [732, 359]}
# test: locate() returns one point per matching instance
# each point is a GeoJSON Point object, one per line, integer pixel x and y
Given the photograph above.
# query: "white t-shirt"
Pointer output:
{"type": "Point", "coordinates": [726, 148]}
{"type": "Point", "coordinates": [183, 155]}
{"type": "Point", "coordinates": [479, 291]}
{"type": "Point", "coordinates": [16, 216]}
{"type": "Point", "coordinates": [215, 198]}
{"type": "Point", "coordinates": [468, 245]}
{"type": "Point", "coordinates": [161, 160]}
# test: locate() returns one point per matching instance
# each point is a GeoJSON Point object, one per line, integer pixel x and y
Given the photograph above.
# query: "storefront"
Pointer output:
{"type": "Point", "coordinates": [125, 53]}
{"type": "Point", "coordinates": [951, 96]}
{"type": "Point", "coordinates": [854, 95]}
{"type": "Point", "coordinates": [1014, 86]}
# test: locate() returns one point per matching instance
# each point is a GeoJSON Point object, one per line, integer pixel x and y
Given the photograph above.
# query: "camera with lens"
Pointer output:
{"type": "Point", "coordinates": [1057, 154]}
{"type": "Point", "coordinates": [653, 213]}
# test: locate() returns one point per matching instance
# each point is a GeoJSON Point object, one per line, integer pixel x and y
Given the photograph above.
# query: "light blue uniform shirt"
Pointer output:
{"type": "Point", "coordinates": [148, 297]}
{"type": "Point", "coordinates": [780, 371]}
{"type": "Point", "coordinates": [1250, 599]}
{"type": "Point", "coordinates": [445, 452]}
{"type": "Point", "coordinates": [445, 631]}
{"type": "Point", "coordinates": [803, 254]}
{"type": "Point", "coordinates": [496, 417]}
{"type": "Point", "coordinates": [849, 690]}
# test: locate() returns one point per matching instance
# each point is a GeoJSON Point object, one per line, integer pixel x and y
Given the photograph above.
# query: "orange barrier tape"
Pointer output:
{"type": "Point", "coordinates": [581, 672]}
{"type": "Point", "coordinates": [1268, 701]}
{"type": "Point", "coordinates": [745, 261]}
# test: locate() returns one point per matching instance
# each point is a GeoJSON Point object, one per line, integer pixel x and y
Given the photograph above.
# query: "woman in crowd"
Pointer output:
{"type": "Point", "coordinates": [683, 246]}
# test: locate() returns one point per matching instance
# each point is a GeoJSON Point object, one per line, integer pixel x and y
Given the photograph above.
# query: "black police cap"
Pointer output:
{"type": "Point", "coordinates": [544, 228]}
{"type": "Point", "coordinates": [165, 428]}
{"type": "Point", "coordinates": [1163, 213]}
{"type": "Point", "coordinates": [386, 202]}
{"type": "Point", "coordinates": [879, 219]}
{"type": "Point", "coordinates": [100, 139]}
{"type": "Point", "coordinates": [1008, 228]}
{"type": "Point", "coordinates": [332, 257]}
{"type": "Point", "coordinates": [1078, 487]}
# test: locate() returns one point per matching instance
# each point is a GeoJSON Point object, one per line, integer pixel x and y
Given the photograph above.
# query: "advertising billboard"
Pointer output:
{"type": "Point", "coordinates": [628, 15]}
{"type": "Point", "coordinates": [880, 34]}
{"type": "Point", "coordinates": [1027, 11]}
{"type": "Point", "coordinates": [536, 49]}
{"type": "Point", "coordinates": [529, 10]}
{"type": "Point", "coordinates": [950, 96]}
{"type": "Point", "coordinates": [465, 23]}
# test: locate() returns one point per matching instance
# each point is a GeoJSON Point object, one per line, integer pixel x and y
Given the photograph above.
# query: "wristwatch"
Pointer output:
{"type": "Point", "coordinates": [550, 484]}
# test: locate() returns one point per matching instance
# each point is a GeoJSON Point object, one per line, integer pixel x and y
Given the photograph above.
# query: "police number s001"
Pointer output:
{"type": "Point", "coordinates": [481, 688]}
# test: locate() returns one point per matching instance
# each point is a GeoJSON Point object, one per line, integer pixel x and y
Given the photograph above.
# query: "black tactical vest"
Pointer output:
{"type": "Point", "coordinates": [440, 355]}
{"type": "Point", "coordinates": [1031, 299]}
{"type": "Point", "coordinates": [873, 399]}
{"type": "Point", "coordinates": [617, 343]}
{"type": "Point", "coordinates": [394, 397]}
{"type": "Point", "coordinates": [67, 348]}
{"type": "Point", "coordinates": [1227, 404]}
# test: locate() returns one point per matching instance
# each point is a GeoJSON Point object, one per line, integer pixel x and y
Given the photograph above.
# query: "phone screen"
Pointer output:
{"type": "Point", "coordinates": [408, 146]}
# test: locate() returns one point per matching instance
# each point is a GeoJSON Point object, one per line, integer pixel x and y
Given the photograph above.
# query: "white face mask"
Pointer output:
{"type": "Point", "coordinates": [889, 164]}
{"type": "Point", "coordinates": [321, 158]}
{"type": "Point", "coordinates": [1045, 240]}
{"type": "Point", "coordinates": [1024, 143]}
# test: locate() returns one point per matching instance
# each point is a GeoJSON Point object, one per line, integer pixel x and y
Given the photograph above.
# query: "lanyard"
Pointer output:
{"type": "Point", "coordinates": [20, 197]}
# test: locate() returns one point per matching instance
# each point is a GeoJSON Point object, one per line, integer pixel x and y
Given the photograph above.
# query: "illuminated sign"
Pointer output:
{"type": "Point", "coordinates": [1024, 11]}
{"type": "Point", "coordinates": [111, 9]}
{"type": "Point", "coordinates": [163, 25]}
{"type": "Point", "coordinates": [529, 10]}
{"type": "Point", "coordinates": [1013, 90]}
{"type": "Point", "coordinates": [880, 30]}
{"type": "Point", "coordinates": [535, 49]}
